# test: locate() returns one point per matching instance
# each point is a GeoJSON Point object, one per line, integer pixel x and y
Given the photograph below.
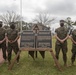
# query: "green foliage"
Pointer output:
{"type": "Point", "coordinates": [28, 66]}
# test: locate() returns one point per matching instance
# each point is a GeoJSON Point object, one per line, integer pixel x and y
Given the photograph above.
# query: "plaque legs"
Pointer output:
{"type": "Point", "coordinates": [55, 60]}
{"type": "Point", "coordinates": [12, 63]}
{"type": "Point", "coordinates": [51, 51]}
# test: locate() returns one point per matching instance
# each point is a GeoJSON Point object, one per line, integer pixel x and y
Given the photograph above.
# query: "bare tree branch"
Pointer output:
{"type": "Point", "coordinates": [10, 16]}
{"type": "Point", "coordinates": [43, 18]}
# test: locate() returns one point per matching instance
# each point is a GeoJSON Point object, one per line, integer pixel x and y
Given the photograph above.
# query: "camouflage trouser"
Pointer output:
{"type": "Point", "coordinates": [73, 53]}
{"type": "Point", "coordinates": [59, 46]}
{"type": "Point", "coordinates": [3, 47]}
{"type": "Point", "coordinates": [15, 48]}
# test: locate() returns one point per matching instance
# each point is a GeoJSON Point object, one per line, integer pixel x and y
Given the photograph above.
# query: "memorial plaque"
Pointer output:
{"type": "Point", "coordinates": [44, 39]}
{"type": "Point", "coordinates": [27, 39]}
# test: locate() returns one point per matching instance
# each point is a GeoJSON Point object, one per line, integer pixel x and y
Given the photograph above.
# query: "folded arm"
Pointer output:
{"type": "Point", "coordinates": [2, 40]}
{"type": "Point", "coordinates": [66, 38]}
{"type": "Point", "coordinates": [61, 40]}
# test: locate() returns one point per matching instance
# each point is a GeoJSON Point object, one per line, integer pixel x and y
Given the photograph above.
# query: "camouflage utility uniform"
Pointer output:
{"type": "Point", "coordinates": [3, 44]}
{"type": "Point", "coordinates": [12, 35]}
{"type": "Point", "coordinates": [61, 33]}
{"type": "Point", "coordinates": [73, 46]}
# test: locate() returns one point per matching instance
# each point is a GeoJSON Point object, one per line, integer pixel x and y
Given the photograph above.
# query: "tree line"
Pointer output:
{"type": "Point", "coordinates": [42, 18]}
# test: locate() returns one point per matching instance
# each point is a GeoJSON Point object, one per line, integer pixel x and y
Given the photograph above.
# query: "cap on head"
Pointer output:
{"type": "Point", "coordinates": [12, 25]}
{"type": "Point", "coordinates": [61, 21]}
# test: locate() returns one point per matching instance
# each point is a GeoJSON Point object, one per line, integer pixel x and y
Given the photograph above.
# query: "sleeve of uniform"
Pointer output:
{"type": "Point", "coordinates": [5, 32]}
{"type": "Point", "coordinates": [68, 32]}
{"type": "Point", "coordinates": [55, 31]}
{"type": "Point", "coordinates": [18, 33]}
{"type": "Point", "coordinates": [72, 34]}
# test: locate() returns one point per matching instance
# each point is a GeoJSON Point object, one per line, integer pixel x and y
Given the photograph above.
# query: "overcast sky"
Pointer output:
{"type": "Point", "coordinates": [60, 9]}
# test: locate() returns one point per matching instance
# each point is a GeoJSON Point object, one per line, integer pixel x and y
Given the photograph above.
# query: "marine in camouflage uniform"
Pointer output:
{"type": "Point", "coordinates": [12, 37]}
{"type": "Point", "coordinates": [3, 40]}
{"type": "Point", "coordinates": [73, 38]}
{"type": "Point", "coordinates": [61, 42]}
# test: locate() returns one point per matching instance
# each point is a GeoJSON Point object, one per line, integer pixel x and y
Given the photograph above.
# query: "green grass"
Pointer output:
{"type": "Point", "coordinates": [28, 66]}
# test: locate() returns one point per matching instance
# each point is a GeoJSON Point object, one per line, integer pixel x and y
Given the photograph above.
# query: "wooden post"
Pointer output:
{"type": "Point", "coordinates": [12, 64]}
{"type": "Point", "coordinates": [56, 61]}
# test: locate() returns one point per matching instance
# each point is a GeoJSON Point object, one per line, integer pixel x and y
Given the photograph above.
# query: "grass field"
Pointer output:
{"type": "Point", "coordinates": [28, 66]}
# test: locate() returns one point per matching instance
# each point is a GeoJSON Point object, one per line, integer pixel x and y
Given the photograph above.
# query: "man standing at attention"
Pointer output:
{"type": "Point", "coordinates": [12, 37]}
{"type": "Point", "coordinates": [3, 40]}
{"type": "Point", "coordinates": [61, 41]}
{"type": "Point", "coordinates": [73, 38]}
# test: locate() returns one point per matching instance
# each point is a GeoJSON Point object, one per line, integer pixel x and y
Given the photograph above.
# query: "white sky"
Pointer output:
{"type": "Point", "coordinates": [61, 9]}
